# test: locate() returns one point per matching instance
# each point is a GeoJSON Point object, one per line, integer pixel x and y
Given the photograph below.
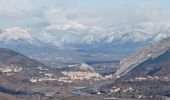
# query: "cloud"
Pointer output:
{"type": "Point", "coordinates": [85, 21]}
{"type": "Point", "coordinates": [57, 19]}
{"type": "Point", "coordinates": [15, 8]}
{"type": "Point", "coordinates": [108, 15]}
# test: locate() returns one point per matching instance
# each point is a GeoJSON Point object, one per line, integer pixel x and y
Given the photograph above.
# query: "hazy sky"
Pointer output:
{"type": "Point", "coordinates": [89, 12]}
{"type": "Point", "coordinates": [45, 16]}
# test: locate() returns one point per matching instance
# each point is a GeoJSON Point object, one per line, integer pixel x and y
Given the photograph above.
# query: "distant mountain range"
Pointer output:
{"type": "Point", "coordinates": [116, 39]}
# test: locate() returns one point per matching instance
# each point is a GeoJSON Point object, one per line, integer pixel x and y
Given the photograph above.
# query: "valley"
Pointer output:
{"type": "Point", "coordinates": [81, 75]}
{"type": "Point", "coordinates": [95, 77]}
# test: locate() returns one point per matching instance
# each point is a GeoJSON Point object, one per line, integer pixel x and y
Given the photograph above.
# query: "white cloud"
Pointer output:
{"type": "Point", "coordinates": [15, 8]}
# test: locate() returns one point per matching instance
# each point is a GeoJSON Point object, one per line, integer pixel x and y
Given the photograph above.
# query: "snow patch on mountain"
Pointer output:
{"type": "Point", "coordinates": [15, 34]}
{"type": "Point", "coordinates": [73, 33]}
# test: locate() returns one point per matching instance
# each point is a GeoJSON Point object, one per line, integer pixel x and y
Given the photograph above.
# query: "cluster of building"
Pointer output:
{"type": "Point", "coordinates": [79, 75]}
{"type": "Point", "coordinates": [47, 77]}
{"type": "Point", "coordinates": [67, 76]}
{"type": "Point", "coordinates": [117, 89]}
{"type": "Point", "coordinates": [141, 78]}
{"type": "Point", "coordinates": [10, 69]}
{"type": "Point", "coordinates": [84, 72]}
{"type": "Point", "coordinates": [41, 68]}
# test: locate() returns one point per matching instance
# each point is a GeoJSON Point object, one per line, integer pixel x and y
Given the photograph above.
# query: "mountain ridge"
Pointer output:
{"type": "Point", "coordinates": [60, 39]}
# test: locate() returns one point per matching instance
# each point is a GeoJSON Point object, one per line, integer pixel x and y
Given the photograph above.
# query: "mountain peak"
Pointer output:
{"type": "Point", "coordinates": [15, 34]}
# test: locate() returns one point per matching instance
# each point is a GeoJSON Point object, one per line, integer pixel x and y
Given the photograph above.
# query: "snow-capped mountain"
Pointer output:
{"type": "Point", "coordinates": [15, 35]}
{"type": "Point", "coordinates": [125, 38]}
{"type": "Point", "coordinates": [21, 40]}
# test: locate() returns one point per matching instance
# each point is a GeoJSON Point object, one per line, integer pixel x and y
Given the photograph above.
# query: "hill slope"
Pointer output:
{"type": "Point", "coordinates": [10, 57]}
{"type": "Point", "coordinates": [148, 54]}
